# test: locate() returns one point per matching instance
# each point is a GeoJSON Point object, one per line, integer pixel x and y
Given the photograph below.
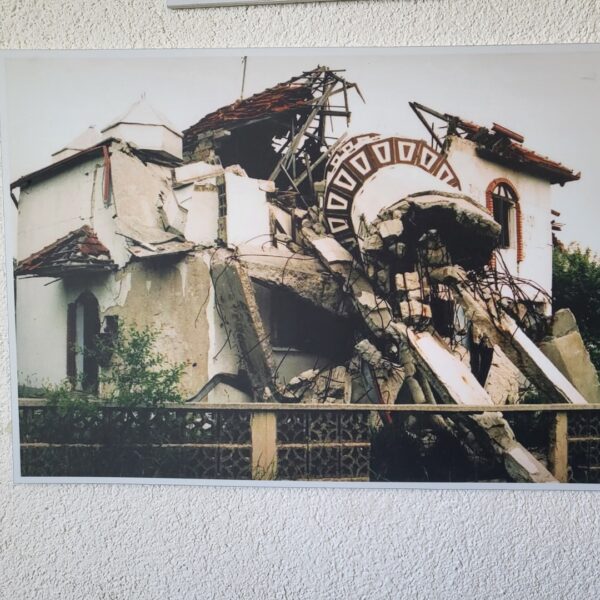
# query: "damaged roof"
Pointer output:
{"type": "Point", "coordinates": [60, 165]}
{"type": "Point", "coordinates": [79, 250]}
{"type": "Point", "coordinates": [287, 96]}
{"type": "Point", "coordinates": [497, 144]}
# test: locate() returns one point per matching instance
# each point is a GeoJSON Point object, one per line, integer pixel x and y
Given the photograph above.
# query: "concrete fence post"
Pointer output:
{"type": "Point", "coordinates": [559, 447]}
{"type": "Point", "coordinates": [264, 445]}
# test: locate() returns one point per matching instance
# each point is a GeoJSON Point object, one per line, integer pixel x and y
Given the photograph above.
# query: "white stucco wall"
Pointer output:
{"type": "Point", "coordinates": [52, 207]}
{"type": "Point", "coordinates": [389, 185]}
{"type": "Point", "coordinates": [535, 196]}
{"type": "Point", "coordinates": [147, 137]}
{"type": "Point", "coordinates": [154, 542]}
{"type": "Point", "coordinates": [247, 211]}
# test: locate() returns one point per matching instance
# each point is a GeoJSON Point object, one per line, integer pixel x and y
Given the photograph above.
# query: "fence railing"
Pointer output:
{"type": "Point", "coordinates": [200, 441]}
{"type": "Point", "coordinates": [261, 440]}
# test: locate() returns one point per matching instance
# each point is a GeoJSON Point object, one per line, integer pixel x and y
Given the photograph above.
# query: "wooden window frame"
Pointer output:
{"type": "Point", "coordinates": [513, 198]}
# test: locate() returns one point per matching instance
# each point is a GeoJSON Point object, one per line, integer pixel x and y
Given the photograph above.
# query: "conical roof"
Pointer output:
{"type": "Point", "coordinates": [86, 139]}
{"type": "Point", "coordinates": [142, 113]}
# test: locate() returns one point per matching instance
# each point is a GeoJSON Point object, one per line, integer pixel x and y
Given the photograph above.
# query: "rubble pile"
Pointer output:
{"type": "Point", "coordinates": [430, 328]}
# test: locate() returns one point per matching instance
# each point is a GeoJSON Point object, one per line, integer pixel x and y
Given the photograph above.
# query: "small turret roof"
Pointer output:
{"type": "Point", "coordinates": [86, 139]}
{"type": "Point", "coordinates": [142, 113]}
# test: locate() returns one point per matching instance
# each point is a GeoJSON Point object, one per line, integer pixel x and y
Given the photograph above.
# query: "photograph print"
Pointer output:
{"type": "Point", "coordinates": [374, 267]}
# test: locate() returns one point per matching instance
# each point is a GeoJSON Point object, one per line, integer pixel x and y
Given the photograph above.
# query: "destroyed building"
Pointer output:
{"type": "Point", "coordinates": [284, 264]}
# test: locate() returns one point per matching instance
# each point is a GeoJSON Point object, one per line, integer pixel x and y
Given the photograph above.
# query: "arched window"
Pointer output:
{"type": "Point", "coordinates": [503, 202]}
{"type": "Point", "coordinates": [83, 327]}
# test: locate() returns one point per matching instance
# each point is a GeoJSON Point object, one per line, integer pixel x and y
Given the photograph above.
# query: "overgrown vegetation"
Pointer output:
{"type": "Point", "coordinates": [66, 400]}
{"type": "Point", "coordinates": [576, 285]}
{"type": "Point", "coordinates": [139, 375]}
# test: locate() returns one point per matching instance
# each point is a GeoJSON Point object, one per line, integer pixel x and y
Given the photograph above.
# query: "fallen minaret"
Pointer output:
{"type": "Point", "coordinates": [397, 245]}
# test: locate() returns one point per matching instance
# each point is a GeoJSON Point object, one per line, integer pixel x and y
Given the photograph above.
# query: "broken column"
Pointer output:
{"type": "Point", "coordinates": [567, 351]}
{"type": "Point", "coordinates": [237, 305]}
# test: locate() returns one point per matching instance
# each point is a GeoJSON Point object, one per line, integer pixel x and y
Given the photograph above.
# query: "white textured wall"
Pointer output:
{"type": "Point", "coordinates": [100, 541]}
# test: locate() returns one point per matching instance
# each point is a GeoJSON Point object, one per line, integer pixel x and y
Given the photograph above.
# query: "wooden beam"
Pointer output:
{"type": "Point", "coordinates": [400, 408]}
{"type": "Point", "coordinates": [559, 447]}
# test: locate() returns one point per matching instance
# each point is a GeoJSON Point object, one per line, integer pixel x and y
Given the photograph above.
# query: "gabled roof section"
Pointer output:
{"type": "Point", "coordinates": [143, 113]}
{"type": "Point", "coordinates": [61, 165]}
{"type": "Point", "coordinates": [78, 251]}
{"type": "Point", "coordinates": [497, 144]}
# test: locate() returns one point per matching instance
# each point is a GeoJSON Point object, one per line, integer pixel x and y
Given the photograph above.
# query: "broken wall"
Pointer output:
{"type": "Point", "coordinates": [50, 208]}
{"type": "Point", "coordinates": [139, 189]}
{"type": "Point", "coordinates": [247, 210]}
{"type": "Point", "coordinates": [289, 357]}
{"type": "Point", "coordinates": [149, 137]}
{"type": "Point", "coordinates": [476, 174]}
{"type": "Point", "coordinates": [168, 295]}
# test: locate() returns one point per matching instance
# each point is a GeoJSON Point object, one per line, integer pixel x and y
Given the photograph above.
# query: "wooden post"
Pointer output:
{"type": "Point", "coordinates": [559, 448]}
{"type": "Point", "coordinates": [264, 445]}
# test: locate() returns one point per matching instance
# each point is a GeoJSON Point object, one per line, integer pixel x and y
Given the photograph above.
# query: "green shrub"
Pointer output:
{"type": "Point", "coordinates": [139, 375]}
{"type": "Point", "coordinates": [576, 285]}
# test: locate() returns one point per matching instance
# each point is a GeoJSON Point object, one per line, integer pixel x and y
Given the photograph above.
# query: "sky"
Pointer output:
{"type": "Point", "coordinates": [550, 95]}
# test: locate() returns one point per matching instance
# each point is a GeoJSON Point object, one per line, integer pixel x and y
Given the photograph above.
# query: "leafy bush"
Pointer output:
{"type": "Point", "coordinates": [576, 285]}
{"type": "Point", "coordinates": [63, 396]}
{"type": "Point", "coordinates": [139, 375]}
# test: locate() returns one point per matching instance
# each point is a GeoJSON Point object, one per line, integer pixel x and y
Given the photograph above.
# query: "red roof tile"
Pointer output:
{"type": "Point", "coordinates": [282, 98]}
{"type": "Point", "coordinates": [498, 144]}
{"type": "Point", "coordinates": [505, 146]}
{"type": "Point", "coordinates": [78, 250]}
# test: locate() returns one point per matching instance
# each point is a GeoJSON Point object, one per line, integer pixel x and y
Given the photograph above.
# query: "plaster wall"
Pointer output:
{"type": "Point", "coordinates": [101, 541]}
{"type": "Point", "coordinates": [389, 185]}
{"type": "Point", "coordinates": [202, 205]}
{"type": "Point", "coordinates": [147, 137]}
{"type": "Point", "coordinates": [51, 208]}
{"type": "Point", "coordinates": [170, 298]}
{"type": "Point", "coordinates": [535, 195]}
{"type": "Point", "coordinates": [247, 211]}
{"type": "Point", "coordinates": [41, 350]}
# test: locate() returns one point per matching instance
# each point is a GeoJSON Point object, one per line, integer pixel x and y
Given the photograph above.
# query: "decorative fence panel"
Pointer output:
{"type": "Point", "coordinates": [141, 442]}
{"type": "Point", "coordinates": [267, 441]}
{"type": "Point", "coordinates": [583, 438]}
{"type": "Point", "coordinates": [199, 442]}
{"type": "Point", "coordinates": [323, 445]}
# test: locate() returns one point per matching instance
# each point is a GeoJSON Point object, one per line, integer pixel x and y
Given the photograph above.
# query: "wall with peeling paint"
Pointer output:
{"type": "Point", "coordinates": [156, 542]}
{"type": "Point", "coordinates": [160, 296]}
{"type": "Point", "coordinates": [142, 294]}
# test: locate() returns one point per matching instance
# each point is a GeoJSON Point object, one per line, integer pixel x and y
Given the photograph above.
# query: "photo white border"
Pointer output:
{"type": "Point", "coordinates": [179, 4]}
{"type": "Point", "coordinates": [222, 52]}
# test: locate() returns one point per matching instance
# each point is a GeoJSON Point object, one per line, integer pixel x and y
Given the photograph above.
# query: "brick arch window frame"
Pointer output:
{"type": "Point", "coordinates": [489, 203]}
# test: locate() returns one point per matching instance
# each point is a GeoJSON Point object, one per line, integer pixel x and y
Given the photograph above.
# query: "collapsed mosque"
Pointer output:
{"type": "Point", "coordinates": [287, 265]}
